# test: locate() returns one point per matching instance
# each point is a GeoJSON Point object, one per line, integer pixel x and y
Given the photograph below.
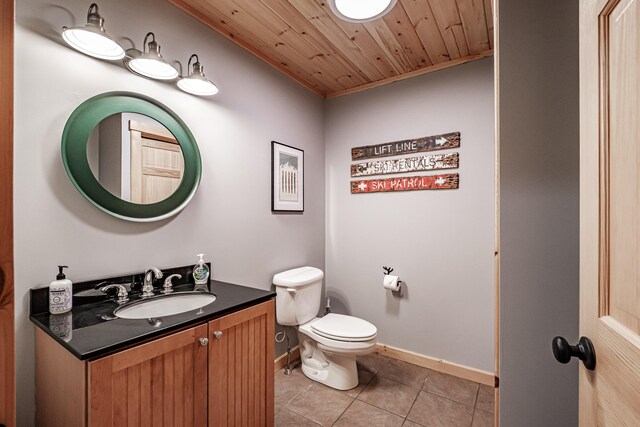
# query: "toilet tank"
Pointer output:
{"type": "Point", "coordinates": [298, 293]}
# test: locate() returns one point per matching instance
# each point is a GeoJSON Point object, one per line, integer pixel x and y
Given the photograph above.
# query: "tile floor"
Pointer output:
{"type": "Point", "coordinates": [391, 393]}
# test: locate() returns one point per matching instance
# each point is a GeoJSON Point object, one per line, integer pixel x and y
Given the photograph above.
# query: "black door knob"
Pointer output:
{"type": "Point", "coordinates": [563, 351]}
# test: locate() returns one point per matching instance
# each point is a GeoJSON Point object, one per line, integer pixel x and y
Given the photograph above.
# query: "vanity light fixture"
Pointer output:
{"type": "Point", "coordinates": [360, 11]}
{"type": "Point", "coordinates": [91, 38]}
{"type": "Point", "coordinates": [197, 83]}
{"type": "Point", "coordinates": [149, 62]}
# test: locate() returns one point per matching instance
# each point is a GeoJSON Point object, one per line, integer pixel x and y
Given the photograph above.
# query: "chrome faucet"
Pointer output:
{"type": "Point", "coordinates": [168, 285]}
{"type": "Point", "coordinates": [147, 285]}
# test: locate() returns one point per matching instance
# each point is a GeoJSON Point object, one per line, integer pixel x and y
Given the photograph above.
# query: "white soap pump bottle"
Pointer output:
{"type": "Point", "coordinates": [200, 271]}
{"type": "Point", "coordinates": [60, 293]}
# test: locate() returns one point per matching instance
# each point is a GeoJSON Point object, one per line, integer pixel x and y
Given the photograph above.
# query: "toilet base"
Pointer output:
{"type": "Point", "coordinates": [338, 376]}
{"type": "Point", "coordinates": [335, 370]}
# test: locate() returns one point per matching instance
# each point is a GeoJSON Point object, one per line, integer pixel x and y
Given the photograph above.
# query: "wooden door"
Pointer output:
{"type": "Point", "coordinates": [157, 164]}
{"type": "Point", "coordinates": [610, 210]}
{"type": "Point", "coordinates": [161, 383]}
{"type": "Point", "coordinates": [7, 369]}
{"type": "Point", "coordinates": [241, 354]}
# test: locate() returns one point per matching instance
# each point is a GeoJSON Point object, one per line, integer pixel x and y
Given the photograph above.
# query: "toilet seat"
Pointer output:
{"type": "Point", "coordinates": [337, 346]}
{"type": "Point", "coordinates": [344, 328]}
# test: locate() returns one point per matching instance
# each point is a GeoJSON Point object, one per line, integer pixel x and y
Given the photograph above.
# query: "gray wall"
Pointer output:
{"type": "Point", "coordinates": [441, 243]}
{"type": "Point", "coordinates": [539, 156]}
{"type": "Point", "coordinates": [229, 219]}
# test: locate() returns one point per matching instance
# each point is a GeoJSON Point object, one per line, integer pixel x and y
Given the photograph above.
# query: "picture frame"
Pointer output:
{"type": "Point", "coordinates": [287, 178]}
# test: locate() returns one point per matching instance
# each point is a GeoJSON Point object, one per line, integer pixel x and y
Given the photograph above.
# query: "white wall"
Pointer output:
{"type": "Point", "coordinates": [229, 218]}
{"type": "Point", "coordinates": [441, 243]}
{"type": "Point", "coordinates": [539, 209]}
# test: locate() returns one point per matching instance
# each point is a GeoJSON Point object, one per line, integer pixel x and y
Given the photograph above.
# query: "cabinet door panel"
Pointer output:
{"type": "Point", "coordinates": [241, 368]}
{"type": "Point", "coordinates": [161, 383]}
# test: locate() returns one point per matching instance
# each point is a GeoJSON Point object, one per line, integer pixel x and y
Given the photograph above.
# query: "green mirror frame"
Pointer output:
{"type": "Point", "coordinates": [74, 155]}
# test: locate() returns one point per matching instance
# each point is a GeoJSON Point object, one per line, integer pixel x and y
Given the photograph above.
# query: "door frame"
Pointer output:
{"type": "Point", "coordinates": [7, 329]}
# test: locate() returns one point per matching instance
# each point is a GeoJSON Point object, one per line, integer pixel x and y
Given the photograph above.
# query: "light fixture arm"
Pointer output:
{"type": "Point", "coordinates": [94, 7]}
{"type": "Point", "coordinates": [189, 63]}
{"type": "Point", "coordinates": [152, 43]}
{"type": "Point", "coordinates": [93, 17]}
{"type": "Point", "coordinates": [197, 68]}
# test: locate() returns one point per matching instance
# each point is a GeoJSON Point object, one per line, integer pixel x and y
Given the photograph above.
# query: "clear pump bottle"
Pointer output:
{"type": "Point", "coordinates": [200, 272]}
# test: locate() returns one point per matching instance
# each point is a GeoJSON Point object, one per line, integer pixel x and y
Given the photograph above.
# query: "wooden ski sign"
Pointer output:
{"type": "Point", "coordinates": [407, 164]}
{"type": "Point", "coordinates": [426, 182]}
{"type": "Point", "coordinates": [407, 146]}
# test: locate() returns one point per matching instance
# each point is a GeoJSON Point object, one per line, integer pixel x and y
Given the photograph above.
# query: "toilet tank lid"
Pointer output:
{"type": "Point", "coordinates": [298, 277]}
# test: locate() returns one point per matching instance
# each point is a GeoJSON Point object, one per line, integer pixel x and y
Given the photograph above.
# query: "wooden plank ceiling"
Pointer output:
{"type": "Point", "coordinates": [332, 57]}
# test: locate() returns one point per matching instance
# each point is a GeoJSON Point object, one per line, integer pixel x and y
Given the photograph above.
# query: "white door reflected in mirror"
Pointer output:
{"type": "Point", "coordinates": [135, 158]}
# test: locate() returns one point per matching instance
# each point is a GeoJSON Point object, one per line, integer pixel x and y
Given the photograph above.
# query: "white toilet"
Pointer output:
{"type": "Point", "coordinates": [328, 345]}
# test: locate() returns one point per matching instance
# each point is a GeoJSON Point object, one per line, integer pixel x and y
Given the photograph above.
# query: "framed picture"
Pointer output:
{"type": "Point", "coordinates": [287, 178]}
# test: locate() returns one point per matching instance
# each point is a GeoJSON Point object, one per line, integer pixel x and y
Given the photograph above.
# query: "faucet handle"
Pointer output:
{"type": "Point", "coordinates": [123, 296]}
{"type": "Point", "coordinates": [168, 286]}
{"type": "Point", "coordinates": [103, 284]}
{"type": "Point", "coordinates": [127, 286]}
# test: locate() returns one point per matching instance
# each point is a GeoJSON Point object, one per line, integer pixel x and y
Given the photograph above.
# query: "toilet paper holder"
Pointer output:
{"type": "Point", "coordinates": [386, 271]}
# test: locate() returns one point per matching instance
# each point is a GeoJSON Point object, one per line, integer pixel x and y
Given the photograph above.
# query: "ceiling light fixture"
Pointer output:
{"type": "Point", "coordinates": [149, 62]}
{"type": "Point", "coordinates": [197, 83]}
{"type": "Point", "coordinates": [361, 11]}
{"type": "Point", "coordinates": [91, 38]}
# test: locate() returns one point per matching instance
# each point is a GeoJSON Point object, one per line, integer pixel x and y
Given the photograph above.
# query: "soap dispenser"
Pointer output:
{"type": "Point", "coordinates": [200, 272]}
{"type": "Point", "coordinates": [60, 293]}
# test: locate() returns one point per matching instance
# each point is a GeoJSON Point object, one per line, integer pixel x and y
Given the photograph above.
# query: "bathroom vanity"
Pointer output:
{"type": "Point", "coordinates": [207, 367]}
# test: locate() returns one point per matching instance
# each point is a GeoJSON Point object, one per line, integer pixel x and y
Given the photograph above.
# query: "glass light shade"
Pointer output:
{"type": "Point", "coordinates": [91, 39]}
{"type": "Point", "coordinates": [361, 10]}
{"type": "Point", "coordinates": [152, 67]}
{"type": "Point", "coordinates": [197, 86]}
{"type": "Point", "coordinates": [197, 83]}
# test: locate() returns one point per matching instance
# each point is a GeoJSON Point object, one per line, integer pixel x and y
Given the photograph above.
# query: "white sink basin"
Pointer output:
{"type": "Point", "coordinates": [164, 305]}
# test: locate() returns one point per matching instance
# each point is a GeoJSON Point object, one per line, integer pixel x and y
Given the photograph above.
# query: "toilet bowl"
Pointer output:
{"type": "Point", "coordinates": [328, 345]}
{"type": "Point", "coordinates": [330, 357]}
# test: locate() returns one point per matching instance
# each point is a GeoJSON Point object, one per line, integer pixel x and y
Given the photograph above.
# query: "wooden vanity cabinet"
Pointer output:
{"type": "Point", "coordinates": [160, 383]}
{"type": "Point", "coordinates": [241, 351]}
{"type": "Point", "coordinates": [216, 374]}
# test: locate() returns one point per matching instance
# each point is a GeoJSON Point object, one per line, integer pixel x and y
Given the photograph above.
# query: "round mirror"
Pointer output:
{"type": "Point", "coordinates": [135, 158]}
{"type": "Point", "coordinates": [131, 156]}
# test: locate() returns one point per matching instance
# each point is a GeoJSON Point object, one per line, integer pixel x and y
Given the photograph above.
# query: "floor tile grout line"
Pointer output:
{"type": "Point", "coordinates": [308, 419]}
{"type": "Point", "coordinates": [386, 410]}
{"type": "Point", "coordinates": [414, 401]}
{"type": "Point", "coordinates": [365, 386]}
{"type": "Point", "coordinates": [345, 410]}
{"type": "Point", "coordinates": [449, 399]}
{"type": "Point", "coordinates": [475, 404]}
{"type": "Point", "coordinates": [377, 407]}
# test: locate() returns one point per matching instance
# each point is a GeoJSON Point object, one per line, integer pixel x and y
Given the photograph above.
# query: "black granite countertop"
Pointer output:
{"type": "Point", "coordinates": [90, 330]}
